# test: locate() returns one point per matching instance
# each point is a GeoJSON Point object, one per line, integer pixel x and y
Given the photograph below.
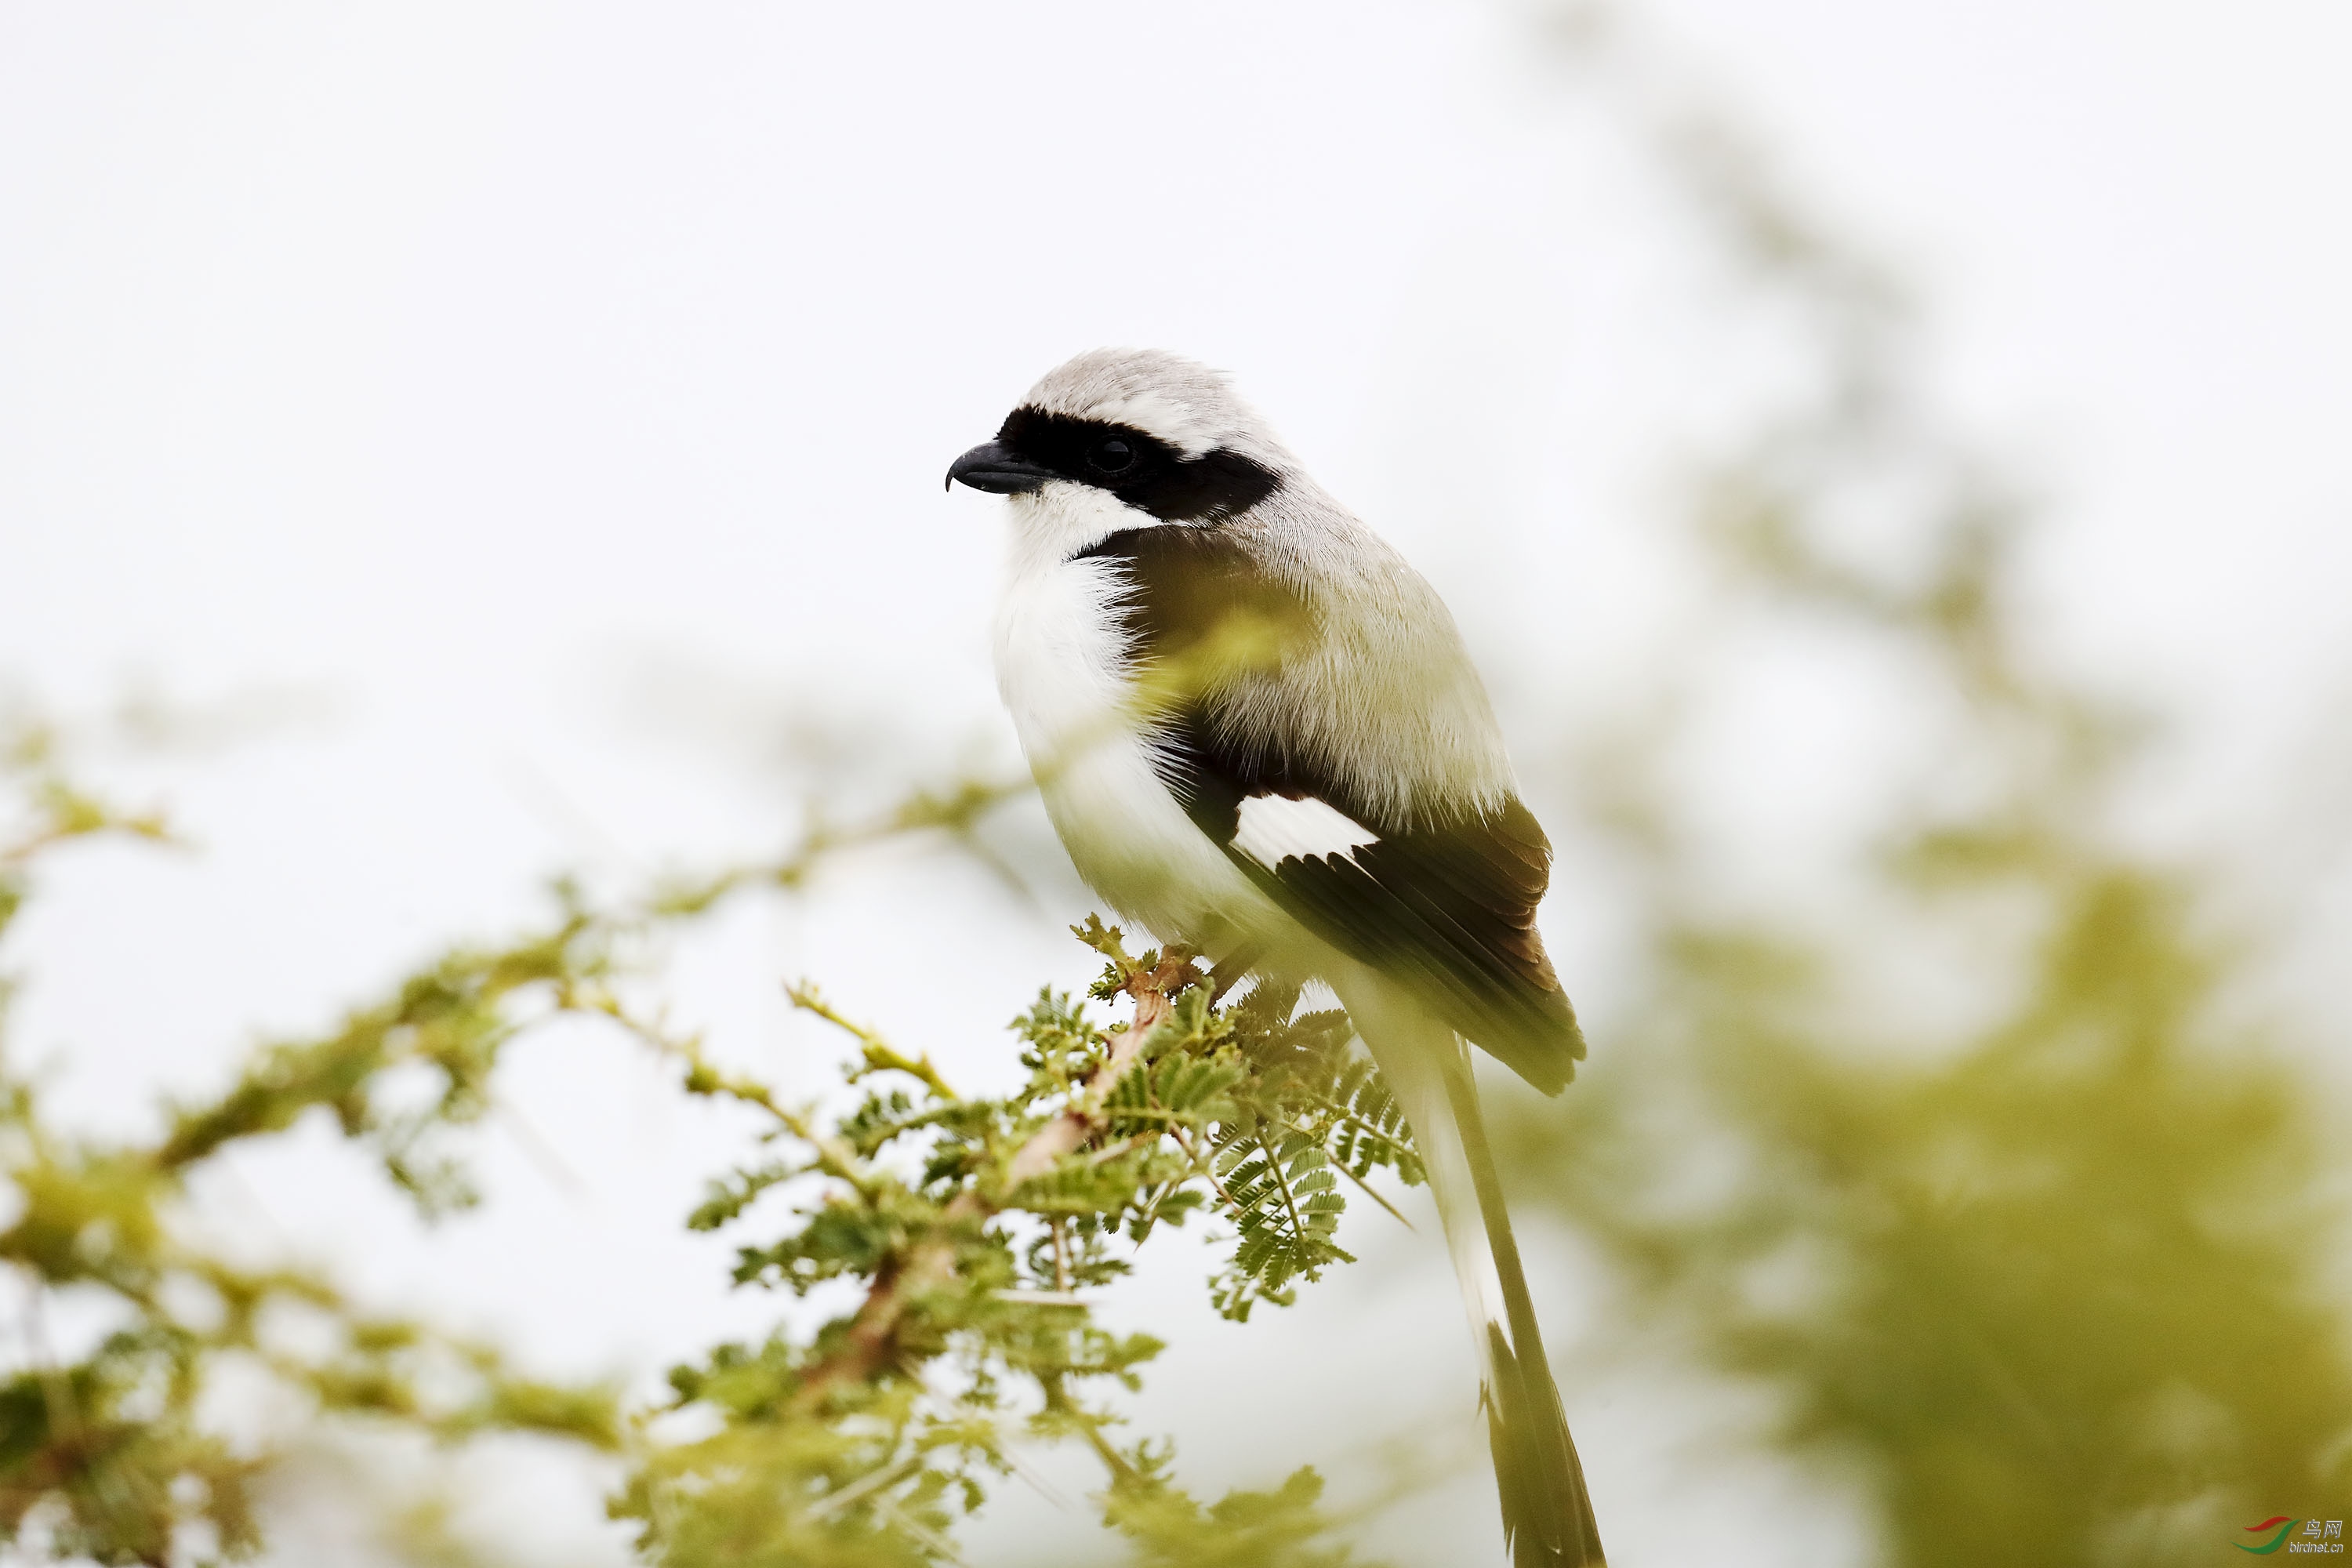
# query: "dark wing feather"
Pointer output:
{"type": "Point", "coordinates": [1449, 912]}
{"type": "Point", "coordinates": [1446, 907]}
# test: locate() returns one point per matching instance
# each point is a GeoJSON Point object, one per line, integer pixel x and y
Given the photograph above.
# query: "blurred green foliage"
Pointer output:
{"type": "Point", "coordinates": [1976, 1161]}
{"type": "Point", "coordinates": [109, 1457]}
{"type": "Point", "coordinates": [971, 1233]}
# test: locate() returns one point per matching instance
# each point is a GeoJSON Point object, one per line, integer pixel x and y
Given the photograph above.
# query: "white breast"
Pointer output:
{"type": "Point", "coordinates": [1062, 665]}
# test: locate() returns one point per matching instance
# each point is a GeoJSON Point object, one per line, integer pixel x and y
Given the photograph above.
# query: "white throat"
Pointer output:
{"type": "Point", "coordinates": [1054, 522]}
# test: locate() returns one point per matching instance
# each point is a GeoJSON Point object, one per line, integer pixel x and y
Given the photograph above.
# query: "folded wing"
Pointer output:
{"type": "Point", "coordinates": [1445, 906]}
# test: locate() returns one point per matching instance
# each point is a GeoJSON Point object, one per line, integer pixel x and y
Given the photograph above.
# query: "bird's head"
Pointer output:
{"type": "Point", "coordinates": [1136, 431]}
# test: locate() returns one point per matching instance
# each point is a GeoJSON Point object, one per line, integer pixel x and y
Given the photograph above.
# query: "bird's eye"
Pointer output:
{"type": "Point", "coordinates": [1111, 456]}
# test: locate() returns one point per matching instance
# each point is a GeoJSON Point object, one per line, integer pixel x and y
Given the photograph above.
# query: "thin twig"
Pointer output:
{"type": "Point", "coordinates": [1039, 1297]}
{"type": "Point", "coordinates": [1128, 1145]}
{"type": "Point", "coordinates": [1203, 1163]}
{"type": "Point", "coordinates": [953, 812]}
{"type": "Point", "coordinates": [865, 1486]}
{"type": "Point", "coordinates": [880, 1055]}
{"type": "Point", "coordinates": [928, 1538]}
{"type": "Point", "coordinates": [1372, 1193]}
{"type": "Point", "coordinates": [834, 1157]}
{"type": "Point", "coordinates": [1058, 1401]}
{"type": "Point", "coordinates": [1043, 1487]}
{"type": "Point", "coordinates": [538, 1150]}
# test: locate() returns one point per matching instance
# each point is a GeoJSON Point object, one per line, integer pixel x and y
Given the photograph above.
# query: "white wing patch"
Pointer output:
{"type": "Point", "coordinates": [1274, 828]}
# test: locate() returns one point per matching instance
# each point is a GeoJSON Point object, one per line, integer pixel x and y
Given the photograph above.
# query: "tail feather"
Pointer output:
{"type": "Point", "coordinates": [1547, 1519]}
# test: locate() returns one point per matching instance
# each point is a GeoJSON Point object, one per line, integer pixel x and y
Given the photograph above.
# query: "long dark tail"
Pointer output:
{"type": "Point", "coordinates": [1546, 1512]}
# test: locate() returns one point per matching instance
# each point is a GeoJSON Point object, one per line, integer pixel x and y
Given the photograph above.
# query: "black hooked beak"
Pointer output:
{"type": "Point", "coordinates": [998, 473]}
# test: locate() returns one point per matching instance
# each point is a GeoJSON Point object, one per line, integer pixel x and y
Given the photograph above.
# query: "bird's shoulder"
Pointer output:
{"type": "Point", "coordinates": [1181, 588]}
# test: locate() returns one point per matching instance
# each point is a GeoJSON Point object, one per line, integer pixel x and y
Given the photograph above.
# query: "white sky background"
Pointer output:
{"type": "Point", "coordinates": [560, 394]}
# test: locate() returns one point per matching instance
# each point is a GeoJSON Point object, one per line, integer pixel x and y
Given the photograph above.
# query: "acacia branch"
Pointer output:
{"type": "Point", "coordinates": [1083, 1117]}
{"type": "Point", "coordinates": [871, 1343]}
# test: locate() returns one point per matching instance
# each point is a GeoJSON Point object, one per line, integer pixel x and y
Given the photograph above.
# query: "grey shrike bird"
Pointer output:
{"type": "Point", "coordinates": [1258, 733]}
